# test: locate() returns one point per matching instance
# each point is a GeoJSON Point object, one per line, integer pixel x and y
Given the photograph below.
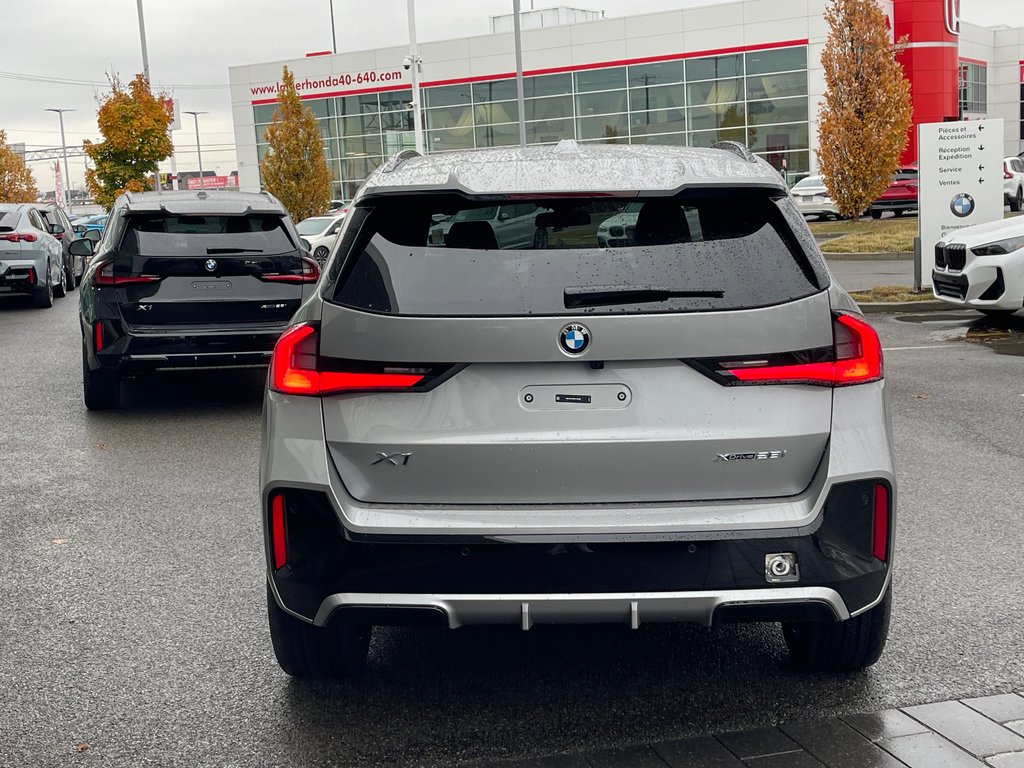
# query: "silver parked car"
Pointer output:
{"type": "Point", "coordinates": [31, 258]}
{"type": "Point", "coordinates": [692, 428]}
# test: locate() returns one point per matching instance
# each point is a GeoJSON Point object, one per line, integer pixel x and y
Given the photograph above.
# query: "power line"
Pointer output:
{"type": "Point", "coordinates": [30, 78]}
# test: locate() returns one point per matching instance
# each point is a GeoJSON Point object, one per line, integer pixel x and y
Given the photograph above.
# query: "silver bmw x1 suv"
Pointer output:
{"type": "Point", "coordinates": [489, 428]}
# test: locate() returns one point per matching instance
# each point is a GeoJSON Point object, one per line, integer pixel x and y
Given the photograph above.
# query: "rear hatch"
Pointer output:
{"type": "Point", "coordinates": [902, 187]}
{"type": "Point", "coordinates": [221, 271]}
{"type": "Point", "coordinates": [573, 373]}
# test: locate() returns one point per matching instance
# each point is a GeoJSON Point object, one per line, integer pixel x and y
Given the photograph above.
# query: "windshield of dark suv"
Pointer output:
{"type": "Point", "coordinates": [438, 255]}
{"type": "Point", "coordinates": [186, 235]}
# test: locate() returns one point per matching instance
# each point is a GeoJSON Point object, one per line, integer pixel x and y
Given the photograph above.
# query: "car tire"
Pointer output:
{"type": "Point", "coordinates": [875, 214]}
{"type": "Point", "coordinates": [60, 290]}
{"type": "Point", "coordinates": [69, 280]}
{"type": "Point", "coordinates": [840, 646]}
{"type": "Point", "coordinates": [1017, 202]}
{"type": "Point", "coordinates": [101, 389]}
{"type": "Point", "coordinates": [303, 650]}
{"type": "Point", "coordinates": [43, 297]}
{"type": "Point", "coordinates": [320, 254]}
{"type": "Point", "coordinates": [540, 239]}
{"type": "Point", "coordinates": [897, 213]}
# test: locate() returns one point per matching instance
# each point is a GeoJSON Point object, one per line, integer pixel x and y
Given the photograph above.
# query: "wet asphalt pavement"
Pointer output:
{"type": "Point", "coordinates": [134, 629]}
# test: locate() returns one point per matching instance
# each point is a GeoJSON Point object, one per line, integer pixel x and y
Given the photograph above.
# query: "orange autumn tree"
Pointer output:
{"type": "Point", "coordinates": [17, 185]}
{"type": "Point", "coordinates": [134, 125]}
{"type": "Point", "coordinates": [866, 112]}
{"type": "Point", "coordinates": [295, 170]}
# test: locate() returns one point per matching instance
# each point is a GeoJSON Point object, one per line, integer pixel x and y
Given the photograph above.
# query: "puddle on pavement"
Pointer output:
{"type": "Point", "coordinates": [1004, 335]}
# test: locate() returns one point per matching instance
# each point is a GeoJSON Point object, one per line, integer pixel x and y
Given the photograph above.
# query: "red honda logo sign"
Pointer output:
{"type": "Point", "coordinates": [951, 11]}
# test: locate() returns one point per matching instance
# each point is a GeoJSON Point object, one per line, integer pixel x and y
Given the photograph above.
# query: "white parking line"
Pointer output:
{"type": "Point", "coordinates": [931, 346]}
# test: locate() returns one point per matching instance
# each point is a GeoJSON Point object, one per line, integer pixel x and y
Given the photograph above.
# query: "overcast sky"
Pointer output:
{"type": "Point", "coordinates": [193, 42]}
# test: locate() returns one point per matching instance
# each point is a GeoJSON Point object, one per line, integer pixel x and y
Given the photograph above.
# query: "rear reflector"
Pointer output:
{"type": "Point", "coordinates": [98, 337]}
{"type": "Point", "coordinates": [856, 359]}
{"type": "Point", "coordinates": [297, 369]}
{"type": "Point", "coordinates": [880, 528]}
{"type": "Point", "coordinates": [278, 540]}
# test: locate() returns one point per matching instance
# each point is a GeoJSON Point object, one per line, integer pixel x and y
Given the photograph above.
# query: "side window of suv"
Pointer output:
{"type": "Point", "coordinates": [36, 220]}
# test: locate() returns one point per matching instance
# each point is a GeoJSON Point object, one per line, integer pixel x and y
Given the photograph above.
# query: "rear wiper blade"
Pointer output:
{"type": "Point", "coordinates": [604, 295]}
{"type": "Point", "coordinates": [211, 251]}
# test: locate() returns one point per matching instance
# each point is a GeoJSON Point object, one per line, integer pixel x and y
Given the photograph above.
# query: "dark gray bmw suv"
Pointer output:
{"type": "Point", "coordinates": [188, 280]}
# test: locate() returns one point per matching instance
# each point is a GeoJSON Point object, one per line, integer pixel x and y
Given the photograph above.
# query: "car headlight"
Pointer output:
{"type": "Point", "coordinates": [999, 247]}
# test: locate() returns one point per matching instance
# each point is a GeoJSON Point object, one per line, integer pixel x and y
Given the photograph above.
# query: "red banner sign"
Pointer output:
{"type": "Point", "coordinates": [212, 182]}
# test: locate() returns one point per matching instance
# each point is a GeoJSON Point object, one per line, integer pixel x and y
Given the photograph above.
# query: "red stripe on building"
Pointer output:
{"type": "Point", "coordinates": [556, 70]}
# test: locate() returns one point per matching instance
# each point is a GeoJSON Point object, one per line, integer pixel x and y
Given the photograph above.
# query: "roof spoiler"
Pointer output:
{"type": "Point", "coordinates": [737, 149]}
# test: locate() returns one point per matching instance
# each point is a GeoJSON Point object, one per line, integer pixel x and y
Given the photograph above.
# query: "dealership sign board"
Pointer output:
{"type": "Point", "coordinates": [960, 170]}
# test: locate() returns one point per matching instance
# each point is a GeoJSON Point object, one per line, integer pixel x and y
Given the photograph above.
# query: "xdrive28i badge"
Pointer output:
{"type": "Point", "coordinates": [574, 339]}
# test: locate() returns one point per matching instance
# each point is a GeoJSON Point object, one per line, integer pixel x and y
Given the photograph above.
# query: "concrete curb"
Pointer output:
{"type": "Point", "coordinates": [892, 307]}
{"type": "Point", "coordinates": [883, 256]}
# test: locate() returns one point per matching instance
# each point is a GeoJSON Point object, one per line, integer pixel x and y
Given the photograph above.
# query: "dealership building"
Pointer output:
{"type": "Point", "coordinates": [746, 71]}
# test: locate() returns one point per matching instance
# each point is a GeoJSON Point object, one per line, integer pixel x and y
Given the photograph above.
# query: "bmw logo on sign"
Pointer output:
{"type": "Point", "coordinates": [574, 339]}
{"type": "Point", "coordinates": [211, 265]}
{"type": "Point", "coordinates": [962, 205]}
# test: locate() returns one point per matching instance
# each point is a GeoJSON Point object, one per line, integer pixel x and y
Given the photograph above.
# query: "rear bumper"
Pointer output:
{"type": "Point", "coordinates": [129, 351]}
{"type": "Point", "coordinates": [896, 204]}
{"type": "Point", "coordinates": [332, 574]}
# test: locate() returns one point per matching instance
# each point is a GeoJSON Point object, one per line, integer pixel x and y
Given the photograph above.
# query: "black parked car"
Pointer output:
{"type": "Point", "coordinates": [187, 280]}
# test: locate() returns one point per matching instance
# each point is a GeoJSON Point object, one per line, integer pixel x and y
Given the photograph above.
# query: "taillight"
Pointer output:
{"type": "Point", "coordinates": [309, 272]}
{"type": "Point", "coordinates": [278, 533]}
{"type": "Point", "coordinates": [855, 358]}
{"type": "Point", "coordinates": [880, 524]}
{"type": "Point", "coordinates": [1006, 172]}
{"type": "Point", "coordinates": [105, 276]}
{"type": "Point", "coordinates": [296, 368]}
{"type": "Point", "coordinates": [18, 237]}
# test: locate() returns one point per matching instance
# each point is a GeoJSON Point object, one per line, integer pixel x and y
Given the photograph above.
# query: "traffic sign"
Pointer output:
{"type": "Point", "coordinates": [960, 180]}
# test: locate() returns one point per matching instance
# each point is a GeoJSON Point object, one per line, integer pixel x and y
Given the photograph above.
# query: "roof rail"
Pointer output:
{"type": "Point", "coordinates": [737, 149]}
{"type": "Point", "coordinates": [398, 158]}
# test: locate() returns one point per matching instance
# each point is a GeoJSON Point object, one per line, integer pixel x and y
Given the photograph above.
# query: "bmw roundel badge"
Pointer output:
{"type": "Point", "coordinates": [211, 265]}
{"type": "Point", "coordinates": [962, 205]}
{"type": "Point", "coordinates": [574, 339]}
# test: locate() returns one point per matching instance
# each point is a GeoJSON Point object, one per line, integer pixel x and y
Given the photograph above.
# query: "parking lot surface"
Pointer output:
{"type": "Point", "coordinates": [131, 572]}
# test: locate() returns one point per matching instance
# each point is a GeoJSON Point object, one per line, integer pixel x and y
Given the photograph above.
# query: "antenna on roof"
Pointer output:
{"type": "Point", "coordinates": [737, 149]}
{"type": "Point", "coordinates": [398, 158]}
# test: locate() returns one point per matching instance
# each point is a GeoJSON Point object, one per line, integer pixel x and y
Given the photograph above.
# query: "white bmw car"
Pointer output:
{"type": "Point", "coordinates": [982, 267]}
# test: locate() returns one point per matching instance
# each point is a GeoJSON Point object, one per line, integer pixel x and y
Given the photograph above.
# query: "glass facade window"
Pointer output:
{"type": "Point", "coordinates": [758, 98]}
{"type": "Point", "coordinates": [973, 87]}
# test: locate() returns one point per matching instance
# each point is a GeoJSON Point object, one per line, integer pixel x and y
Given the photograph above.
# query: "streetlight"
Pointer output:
{"type": "Point", "coordinates": [334, 39]}
{"type": "Point", "coordinates": [414, 63]}
{"type": "Point", "coordinates": [64, 151]}
{"type": "Point", "coordinates": [142, 39]}
{"type": "Point", "coordinates": [195, 116]}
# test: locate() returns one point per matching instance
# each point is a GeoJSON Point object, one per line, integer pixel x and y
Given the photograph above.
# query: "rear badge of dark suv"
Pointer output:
{"type": "Point", "coordinates": [211, 265]}
{"type": "Point", "coordinates": [574, 338]}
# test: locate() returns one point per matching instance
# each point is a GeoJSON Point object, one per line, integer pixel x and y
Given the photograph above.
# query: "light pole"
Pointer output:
{"type": "Point", "coordinates": [520, 101]}
{"type": "Point", "coordinates": [414, 64]}
{"type": "Point", "coordinates": [142, 37]}
{"type": "Point", "coordinates": [64, 151]}
{"type": "Point", "coordinates": [195, 116]}
{"type": "Point", "coordinates": [334, 40]}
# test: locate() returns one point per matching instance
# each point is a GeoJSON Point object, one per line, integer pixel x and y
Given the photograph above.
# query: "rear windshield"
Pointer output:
{"type": "Point", "coordinates": [452, 256]}
{"type": "Point", "coordinates": [179, 235]}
